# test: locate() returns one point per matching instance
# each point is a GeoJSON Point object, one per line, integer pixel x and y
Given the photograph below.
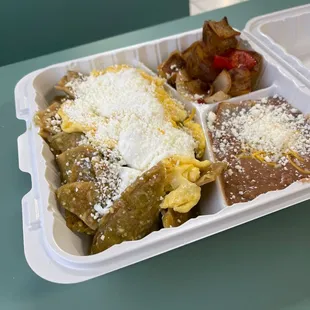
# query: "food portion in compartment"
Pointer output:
{"type": "Point", "coordinates": [129, 155]}
{"type": "Point", "coordinates": [214, 68]}
{"type": "Point", "coordinates": [266, 144]}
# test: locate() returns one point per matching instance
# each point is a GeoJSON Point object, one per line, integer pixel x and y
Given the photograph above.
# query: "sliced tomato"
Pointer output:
{"type": "Point", "coordinates": [234, 58]}
{"type": "Point", "coordinates": [221, 62]}
{"type": "Point", "coordinates": [240, 58]}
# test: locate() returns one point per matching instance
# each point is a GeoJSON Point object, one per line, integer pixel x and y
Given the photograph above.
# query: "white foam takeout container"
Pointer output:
{"type": "Point", "coordinates": [59, 255]}
{"type": "Point", "coordinates": [285, 35]}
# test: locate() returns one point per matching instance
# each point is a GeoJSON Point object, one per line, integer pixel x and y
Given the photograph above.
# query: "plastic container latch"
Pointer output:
{"type": "Point", "coordinates": [31, 211]}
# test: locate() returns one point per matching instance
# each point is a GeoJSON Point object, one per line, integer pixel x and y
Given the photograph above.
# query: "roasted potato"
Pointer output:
{"type": "Point", "coordinates": [214, 68]}
{"type": "Point", "coordinates": [219, 37]}
{"type": "Point", "coordinates": [190, 89]}
{"type": "Point", "coordinates": [169, 68]}
{"type": "Point", "coordinates": [199, 62]}
{"type": "Point", "coordinates": [241, 81]}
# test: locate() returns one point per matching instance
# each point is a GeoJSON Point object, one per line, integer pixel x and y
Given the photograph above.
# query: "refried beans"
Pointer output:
{"type": "Point", "coordinates": [266, 144]}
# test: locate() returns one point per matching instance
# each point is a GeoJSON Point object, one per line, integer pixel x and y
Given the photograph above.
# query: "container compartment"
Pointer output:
{"type": "Point", "coordinates": [294, 36]}
{"type": "Point", "coordinates": [285, 36]}
{"type": "Point", "coordinates": [63, 237]}
{"type": "Point", "coordinates": [295, 96]}
{"type": "Point", "coordinates": [273, 80]}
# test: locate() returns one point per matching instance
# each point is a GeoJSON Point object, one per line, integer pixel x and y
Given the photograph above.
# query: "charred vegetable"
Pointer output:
{"type": "Point", "coordinates": [171, 66]}
{"type": "Point", "coordinates": [214, 68]}
{"type": "Point", "coordinates": [191, 89]}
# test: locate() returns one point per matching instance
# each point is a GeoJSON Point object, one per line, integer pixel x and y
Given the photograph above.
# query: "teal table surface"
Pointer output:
{"type": "Point", "coordinates": [261, 265]}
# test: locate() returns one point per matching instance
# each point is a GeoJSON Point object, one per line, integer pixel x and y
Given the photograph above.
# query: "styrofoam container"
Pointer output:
{"type": "Point", "coordinates": [285, 35]}
{"type": "Point", "coordinates": [56, 253]}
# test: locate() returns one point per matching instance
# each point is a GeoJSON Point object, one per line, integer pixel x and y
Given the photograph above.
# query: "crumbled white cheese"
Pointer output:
{"type": "Point", "coordinates": [264, 100]}
{"type": "Point", "coordinates": [271, 128]}
{"type": "Point", "coordinates": [128, 176]}
{"type": "Point", "coordinates": [211, 120]}
{"type": "Point", "coordinates": [102, 211]}
{"type": "Point", "coordinates": [230, 172]}
{"type": "Point", "coordinates": [124, 112]}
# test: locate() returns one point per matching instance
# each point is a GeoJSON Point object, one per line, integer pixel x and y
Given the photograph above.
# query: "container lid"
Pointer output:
{"type": "Point", "coordinates": [285, 36]}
